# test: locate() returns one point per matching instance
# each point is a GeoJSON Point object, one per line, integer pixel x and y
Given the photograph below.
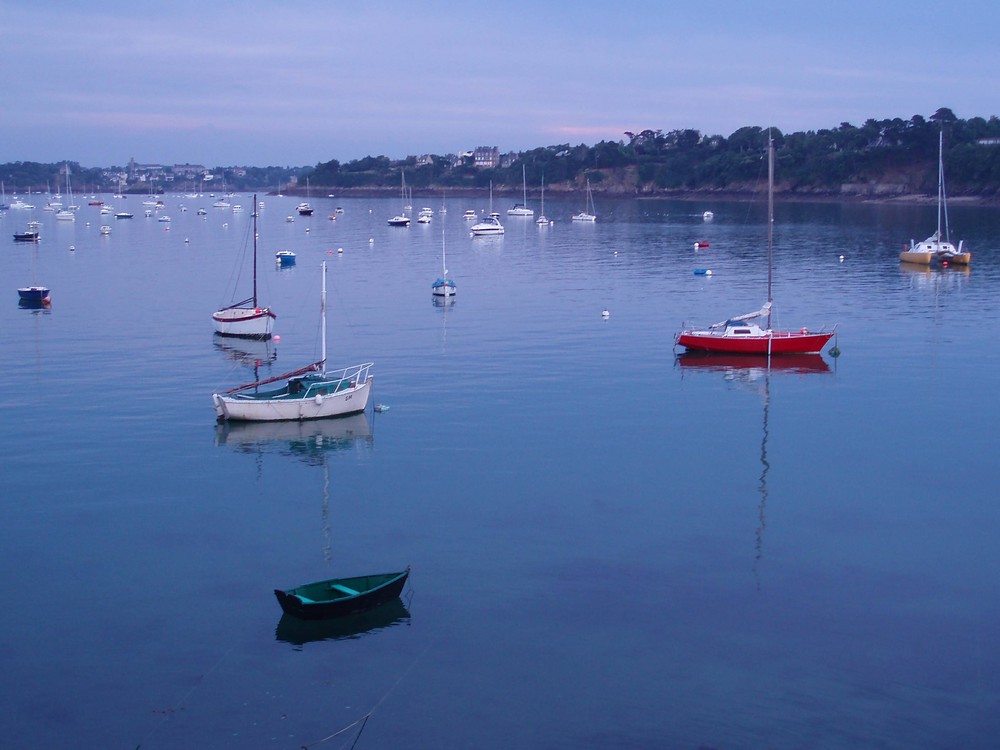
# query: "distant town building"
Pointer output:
{"type": "Point", "coordinates": [189, 171]}
{"type": "Point", "coordinates": [486, 157]}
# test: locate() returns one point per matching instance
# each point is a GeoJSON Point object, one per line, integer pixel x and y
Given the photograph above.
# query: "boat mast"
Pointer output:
{"type": "Point", "coordinates": [255, 250]}
{"type": "Point", "coordinates": [770, 219]}
{"type": "Point", "coordinates": [942, 207]}
{"type": "Point", "coordinates": [323, 310]}
{"type": "Point", "coordinates": [444, 264]}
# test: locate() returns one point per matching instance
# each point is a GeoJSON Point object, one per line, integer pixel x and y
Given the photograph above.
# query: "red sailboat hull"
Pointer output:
{"type": "Point", "coordinates": [777, 342]}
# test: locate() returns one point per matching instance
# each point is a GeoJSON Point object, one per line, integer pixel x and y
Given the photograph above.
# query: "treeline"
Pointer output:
{"type": "Point", "coordinates": [881, 157]}
{"type": "Point", "coordinates": [890, 156]}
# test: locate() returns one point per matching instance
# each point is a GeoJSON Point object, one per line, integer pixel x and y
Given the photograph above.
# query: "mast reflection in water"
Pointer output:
{"type": "Point", "coordinates": [753, 373]}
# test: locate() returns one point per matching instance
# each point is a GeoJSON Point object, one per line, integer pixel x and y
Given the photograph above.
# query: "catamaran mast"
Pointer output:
{"type": "Point", "coordinates": [942, 199]}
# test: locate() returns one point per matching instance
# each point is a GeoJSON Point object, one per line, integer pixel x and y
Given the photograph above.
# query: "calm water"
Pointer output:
{"type": "Point", "coordinates": [609, 548]}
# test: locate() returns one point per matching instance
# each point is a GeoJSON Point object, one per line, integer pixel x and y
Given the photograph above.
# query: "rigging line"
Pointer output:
{"type": "Point", "coordinates": [167, 713]}
{"type": "Point", "coordinates": [358, 736]}
{"type": "Point", "coordinates": [378, 703]}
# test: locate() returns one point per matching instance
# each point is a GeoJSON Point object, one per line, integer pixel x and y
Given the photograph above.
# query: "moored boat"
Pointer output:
{"type": "Point", "coordinates": [246, 318]}
{"type": "Point", "coordinates": [588, 214]}
{"type": "Point", "coordinates": [34, 294]}
{"type": "Point", "coordinates": [937, 247]}
{"type": "Point", "coordinates": [521, 209]}
{"type": "Point", "coordinates": [740, 334]}
{"type": "Point", "coordinates": [443, 287]}
{"type": "Point", "coordinates": [311, 392]}
{"type": "Point", "coordinates": [341, 597]}
{"type": "Point", "coordinates": [489, 225]}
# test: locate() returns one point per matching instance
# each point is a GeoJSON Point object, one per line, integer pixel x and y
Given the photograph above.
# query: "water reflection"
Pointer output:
{"type": "Point", "coordinates": [35, 304]}
{"type": "Point", "coordinates": [753, 373]}
{"type": "Point", "coordinates": [935, 279]}
{"type": "Point", "coordinates": [247, 352]}
{"type": "Point", "coordinates": [308, 441]}
{"type": "Point", "coordinates": [299, 632]}
{"type": "Point", "coordinates": [749, 368]}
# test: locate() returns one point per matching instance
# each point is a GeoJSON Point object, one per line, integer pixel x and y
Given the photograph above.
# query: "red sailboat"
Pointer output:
{"type": "Point", "coordinates": [740, 334]}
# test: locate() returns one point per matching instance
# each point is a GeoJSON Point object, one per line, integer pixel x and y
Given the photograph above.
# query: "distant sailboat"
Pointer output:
{"type": "Point", "coordinates": [588, 213]}
{"type": "Point", "coordinates": [542, 220]}
{"type": "Point", "coordinates": [401, 219]}
{"type": "Point", "coordinates": [936, 247]}
{"type": "Point", "coordinates": [443, 287]}
{"type": "Point", "coordinates": [246, 319]}
{"type": "Point", "coordinates": [521, 209]}
{"type": "Point", "coordinates": [67, 214]}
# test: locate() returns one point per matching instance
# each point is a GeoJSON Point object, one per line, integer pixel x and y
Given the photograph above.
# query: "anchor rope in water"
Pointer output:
{"type": "Point", "coordinates": [364, 719]}
{"type": "Point", "coordinates": [180, 704]}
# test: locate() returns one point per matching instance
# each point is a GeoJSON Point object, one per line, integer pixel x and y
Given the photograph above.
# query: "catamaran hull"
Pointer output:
{"type": "Point", "coordinates": [778, 343]}
{"type": "Point", "coordinates": [341, 403]}
{"type": "Point", "coordinates": [251, 323]}
{"type": "Point", "coordinates": [923, 259]}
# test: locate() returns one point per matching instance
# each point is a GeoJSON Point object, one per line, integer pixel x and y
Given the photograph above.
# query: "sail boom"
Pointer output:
{"type": "Point", "coordinates": [314, 367]}
{"type": "Point", "coordinates": [762, 312]}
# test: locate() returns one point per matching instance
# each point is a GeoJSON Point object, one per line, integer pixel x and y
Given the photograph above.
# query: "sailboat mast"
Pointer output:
{"type": "Point", "coordinates": [323, 310]}
{"type": "Point", "coordinates": [770, 219]}
{"type": "Point", "coordinates": [255, 249]}
{"type": "Point", "coordinates": [942, 208]}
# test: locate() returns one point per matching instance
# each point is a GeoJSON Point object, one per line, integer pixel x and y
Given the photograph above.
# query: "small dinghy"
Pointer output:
{"type": "Point", "coordinates": [339, 597]}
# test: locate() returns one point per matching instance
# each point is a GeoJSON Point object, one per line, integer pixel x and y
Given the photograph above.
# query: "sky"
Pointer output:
{"type": "Point", "coordinates": [296, 84]}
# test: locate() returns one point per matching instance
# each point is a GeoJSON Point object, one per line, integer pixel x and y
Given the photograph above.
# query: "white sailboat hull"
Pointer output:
{"type": "Point", "coordinates": [246, 408]}
{"type": "Point", "coordinates": [246, 322]}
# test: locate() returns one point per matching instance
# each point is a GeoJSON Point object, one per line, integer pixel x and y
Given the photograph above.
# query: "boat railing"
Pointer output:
{"type": "Point", "coordinates": [354, 374]}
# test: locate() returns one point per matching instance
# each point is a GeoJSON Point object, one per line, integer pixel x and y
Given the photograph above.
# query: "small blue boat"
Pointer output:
{"type": "Point", "coordinates": [285, 258]}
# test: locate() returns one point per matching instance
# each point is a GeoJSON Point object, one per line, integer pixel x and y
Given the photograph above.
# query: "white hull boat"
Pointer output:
{"type": "Point", "coordinates": [246, 319]}
{"type": "Point", "coordinates": [311, 392]}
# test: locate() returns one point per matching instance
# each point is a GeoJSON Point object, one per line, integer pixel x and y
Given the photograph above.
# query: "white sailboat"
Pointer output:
{"type": "Point", "coordinates": [443, 287]}
{"type": "Point", "coordinates": [68, 213]}
{"type": "Point", "coordinates": [588, 213]}
{"type": "Point", "coordinates": [311, 392]}
{"type": "Point", "coordinates": [937, 247]}
{"type": "Point", "coordinates": [542, 220]}
{"type": "Point", "coordinates": [246, 318]}
{"type": "Point", "coordinates": [521, 209]}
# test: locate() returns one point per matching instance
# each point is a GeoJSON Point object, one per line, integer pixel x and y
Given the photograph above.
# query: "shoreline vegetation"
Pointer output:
{"type": "Point", "coordinates": [885, 161]}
